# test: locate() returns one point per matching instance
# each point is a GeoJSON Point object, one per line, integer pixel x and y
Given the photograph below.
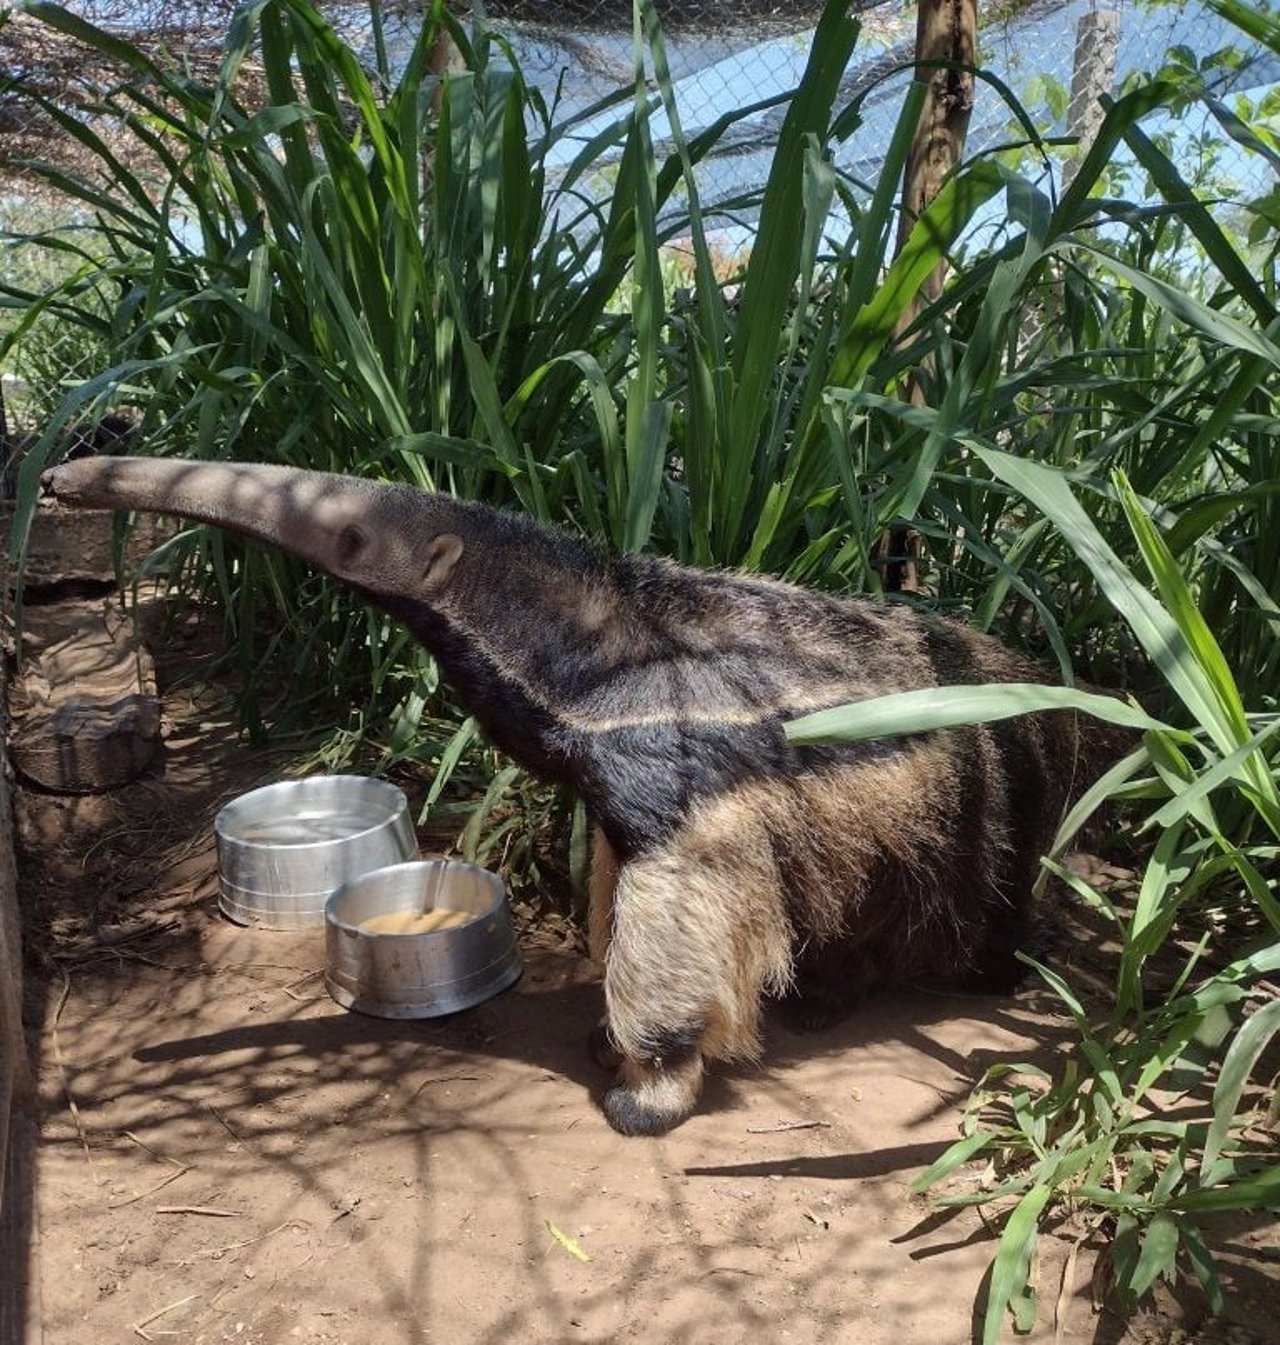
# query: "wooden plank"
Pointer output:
{"type": "Point", "coordinates": [20, 1301]}
{"type": "Point", "coordinates": [19, 1297]}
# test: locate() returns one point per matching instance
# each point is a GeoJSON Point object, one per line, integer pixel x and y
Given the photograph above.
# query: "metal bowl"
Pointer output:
{"type": "Point", "coordinates": [398, 975]}
{"type": "Point", "coordinates": [285, 848]}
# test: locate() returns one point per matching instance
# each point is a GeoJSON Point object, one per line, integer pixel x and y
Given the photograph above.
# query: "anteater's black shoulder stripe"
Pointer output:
{"type": "Point", "coordinates": [515, 721]}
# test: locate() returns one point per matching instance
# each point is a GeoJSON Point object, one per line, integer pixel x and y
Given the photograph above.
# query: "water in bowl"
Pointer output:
{"type": "Point", "coordinates": [305, 828]}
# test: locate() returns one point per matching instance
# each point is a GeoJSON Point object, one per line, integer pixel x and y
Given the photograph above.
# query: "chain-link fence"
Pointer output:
{"type": "Point", "coordinates": [1048, 59]}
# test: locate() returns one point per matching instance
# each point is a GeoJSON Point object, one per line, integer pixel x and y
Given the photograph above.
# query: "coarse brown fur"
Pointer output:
{"type": "Point", "coordinates": [730, 864]}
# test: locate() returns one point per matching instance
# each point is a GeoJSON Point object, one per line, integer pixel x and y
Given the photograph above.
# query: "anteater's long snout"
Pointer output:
{"type": "Point", "coordinates": [364, 532]}
{"type": "Point", "coordinates": [283, 506]}
{"type": "Point", "coordinates": [65, 484]}
{"type": "Point", "coordinates": [233, 494]}
{"type": "Point", "coordinates": [262, 499]}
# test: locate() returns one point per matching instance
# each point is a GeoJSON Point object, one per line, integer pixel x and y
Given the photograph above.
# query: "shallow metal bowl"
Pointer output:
{"type": "Point", "coordinates": [285, 848]}
{"type": "Point", "coordinates": [396, 975]}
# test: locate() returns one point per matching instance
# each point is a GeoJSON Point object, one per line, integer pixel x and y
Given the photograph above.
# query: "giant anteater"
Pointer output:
{"type": "Point", "coordinates": [729, 864]}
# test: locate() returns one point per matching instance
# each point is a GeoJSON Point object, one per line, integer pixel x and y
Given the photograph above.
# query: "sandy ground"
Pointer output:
{"type": "Point", "coordinates": [376, 1182]}
{"type": "Point", "coordinates": [247, 1162]}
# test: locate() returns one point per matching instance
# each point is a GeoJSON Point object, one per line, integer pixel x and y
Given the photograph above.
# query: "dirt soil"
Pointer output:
{"type": "Point", "coordinates": [228, 1156]}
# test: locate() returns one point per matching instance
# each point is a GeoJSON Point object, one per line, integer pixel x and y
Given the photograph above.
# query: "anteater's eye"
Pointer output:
{"type": "Point", "coordinates": [351, 542]}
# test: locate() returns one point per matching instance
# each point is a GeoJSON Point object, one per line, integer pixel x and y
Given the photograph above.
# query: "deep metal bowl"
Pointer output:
{"type": "Point", "coordinates": [394, 975]}
{"type": "Point", "coordinates": [285, 848]}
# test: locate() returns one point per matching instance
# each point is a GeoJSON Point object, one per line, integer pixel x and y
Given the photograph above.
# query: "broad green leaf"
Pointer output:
{"type": "Point", "coordinates": [1169, 182]}
{"type": "Point", "coordinates": [1158, 1255]}
{"type": "Point", "coordinates": [772, 269]}
{"type": "Point", "coordinates": [465, 734]}
{"type": "Point", "coordinates": [1218, 327]}
{"type": "Point", "coordinates": [1258, 1191]}
{"type": "Point", "coordinates": [1248, 1044]}
{"type": "Point", "coordinates": [955, 1157]}
{"type": "Point", "coordinates": [1153, 626]}
{"type": "Point", "coordinates": [1230, 724]}
{"type": "Point", "coordinates": [1011, 1268]}
{"type": "Point", "coordinates": [1203, 1265]}
{"type": "Point", "coordinates": [933, 708]}
{"type": "Point", "coordinates": [1226, 771]}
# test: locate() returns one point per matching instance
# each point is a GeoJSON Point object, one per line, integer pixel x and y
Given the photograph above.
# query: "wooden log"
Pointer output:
{"type": "Point", "coordinates": [85, 703]}
{"type": "Point", "coordinates": [70, 547]}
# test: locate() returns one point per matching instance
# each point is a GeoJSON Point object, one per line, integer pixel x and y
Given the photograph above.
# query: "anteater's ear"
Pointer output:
{"type": "Point", "coordinates": [441, 556]}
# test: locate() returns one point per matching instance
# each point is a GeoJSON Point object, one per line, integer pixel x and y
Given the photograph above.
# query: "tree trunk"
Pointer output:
{"type": "Point", "coordinates": [946, 30]}
{"type": "Point", "coordinates": [1097, 37]}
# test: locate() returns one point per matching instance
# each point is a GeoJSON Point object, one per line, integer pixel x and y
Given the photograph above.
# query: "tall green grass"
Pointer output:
{"type": "Point", "coordinates": [1138, 445]}
{"type": "Point", "coordinates": [1150, 1123]}
{"type": "Point", "coordinates": [321, 272]}
{"type": "Point", "coordinates": [313, 270]}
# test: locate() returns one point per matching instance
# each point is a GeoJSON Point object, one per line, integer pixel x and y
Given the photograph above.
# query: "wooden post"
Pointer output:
{"type": "Point", "coordinates": [946, 30]}
{"type": "Point", "coordinates": [445, 60]}
{"type": "Point", "coordinates": [16, 1082]}
{"type": "Point", "coordinates": [1097, 35]}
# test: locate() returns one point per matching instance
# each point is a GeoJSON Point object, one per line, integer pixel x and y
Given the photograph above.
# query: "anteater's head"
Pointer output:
{"type": "Point", "coordinates": [386, 540]}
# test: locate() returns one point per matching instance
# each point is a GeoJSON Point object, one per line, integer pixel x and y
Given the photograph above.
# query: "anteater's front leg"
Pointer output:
{"type": "Point", "coordinates": [604, 883]}
{"type": "Point", "coordinates": [698, 934]}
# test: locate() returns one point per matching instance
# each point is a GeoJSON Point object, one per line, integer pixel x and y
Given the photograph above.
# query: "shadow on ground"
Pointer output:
{"type": "Point", "coordinates": [247, 1162]}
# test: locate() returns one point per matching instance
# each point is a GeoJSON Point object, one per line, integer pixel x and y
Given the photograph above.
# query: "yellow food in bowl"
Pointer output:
{"type": "Point", "coordinates": [415, 922]}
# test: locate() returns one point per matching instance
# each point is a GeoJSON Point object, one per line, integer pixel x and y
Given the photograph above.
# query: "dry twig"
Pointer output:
{"type": "Point", "coordinates": [182, 1169]}
{"type": "Point", "coordinates": [302, 980]}
{"type": "Point", "coordinates": [248, 1242]}
{"type": "Point", "coordinates": [211, 1210]}
{"type": "Point", "coordinates": [447, 1078]}
{"type": "Point", "coordinates": [788, 1125]}
{"type": "Point", "coordinates": [155, 1153]}
{"type": "Point", "coordinates": [140, 1327]}
{"type": "Point", "coordinates": [61, 1063]}
{"type": "Point", "coordinates": [151, 1190]}
{"type": "Point", "coordinates": [1065, 1289]}
{"type": "Point", "coordinates": [110, 940]}
{"type": "Point", "coordinates": [223, 1122]}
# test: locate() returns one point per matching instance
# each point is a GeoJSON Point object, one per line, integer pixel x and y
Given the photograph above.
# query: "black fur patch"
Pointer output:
{"type": "Point", "coordinates": [513, 721]}
{"type": "Point", "coordinates": [640, 783]}
{"type": "Point", "coordinates": [669, 1048]}
{"type": "Point", "coordinates": [628, 1117]}
{"type": "Point", "coordinates": [604, 1050]}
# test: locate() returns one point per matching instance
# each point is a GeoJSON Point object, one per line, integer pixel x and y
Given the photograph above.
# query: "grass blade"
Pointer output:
{"type": "Point", "coordinates": [933, 708]}
{"type": "Point", "coordinates": [1010, 1272]}
{"type": "Point", "coordinates": [1249, 1043]}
